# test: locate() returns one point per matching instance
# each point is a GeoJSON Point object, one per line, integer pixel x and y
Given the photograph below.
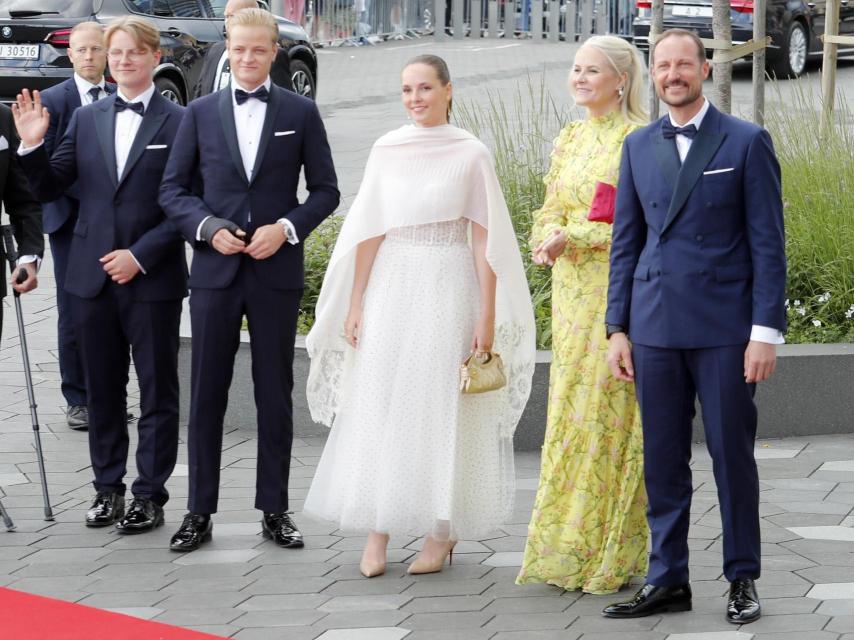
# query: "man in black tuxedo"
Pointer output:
{"type": "Point", "coordinates": [216, 68]}
{"type": "Point", "coordinates": [89, 57]}
{"type": "Point", "coordinates": [24, 212]}
{"type": "Point", "coordinates": [127, 272]}
{"type": "Point", "coordinates": [231, 188]}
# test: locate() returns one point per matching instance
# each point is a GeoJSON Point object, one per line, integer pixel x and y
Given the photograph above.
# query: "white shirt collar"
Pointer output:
{"type": "Point", "coordinates": [235, 86]}
{"type": "Point", "coordinates": [83, 85]}
{"type": "Point", "coordinates": [144, 97]}
{"type": "Point", "coordinates": [696, 120]}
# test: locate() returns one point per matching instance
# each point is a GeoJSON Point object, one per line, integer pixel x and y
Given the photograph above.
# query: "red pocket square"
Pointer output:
{"type": "Point", "coordinates": [602, 207]}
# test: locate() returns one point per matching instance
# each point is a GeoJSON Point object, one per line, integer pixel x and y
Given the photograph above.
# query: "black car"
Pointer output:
{"type": "Point", "coordinates": [34, 41]}
{"type": "Point", "coordinates": [794, 27]}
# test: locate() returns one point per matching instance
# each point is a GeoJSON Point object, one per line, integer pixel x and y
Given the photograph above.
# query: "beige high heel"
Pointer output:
{"type": "Point", "coordinates": [420, 566]}
{"type": "Point", "coordinates": [372, 569]}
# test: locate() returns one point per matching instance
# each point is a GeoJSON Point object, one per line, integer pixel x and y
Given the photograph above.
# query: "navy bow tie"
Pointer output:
{"type": "Point", "coordinates": [669, 131]}
{"type": "Point", "coordinates": [261, 93]}
{"type": "Point", "coordinates": [136, 107]}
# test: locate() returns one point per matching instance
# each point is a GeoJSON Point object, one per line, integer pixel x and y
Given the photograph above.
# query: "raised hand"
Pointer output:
{"type": "Point", "coordinates": [31, 118]}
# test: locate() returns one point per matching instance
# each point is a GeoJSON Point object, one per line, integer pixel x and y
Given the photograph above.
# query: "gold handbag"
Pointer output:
{"type": "Point", "coordinates": [482, 372]}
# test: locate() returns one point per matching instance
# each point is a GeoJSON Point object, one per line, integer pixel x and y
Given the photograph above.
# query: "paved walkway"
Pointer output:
{"type": "Point", "coordinates": [243, 586]}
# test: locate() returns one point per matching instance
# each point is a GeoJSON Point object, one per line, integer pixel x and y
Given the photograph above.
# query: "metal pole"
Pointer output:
{"type": "Point", "coordinates": [537, 20]}
{"type": "Point", "coordinates": [554, 21]}
{"type": "Point", "coordinates": [656, 28]}
{"type": "Point", "coordinates": [439, 19]}
{"type": "Point", "coordinates": [828, 64]}
{"type": "Point", "coordinates": [7, 521]}
{"type": "Point", "coordinates": [759, 10]}
{"type": "Point", "coordinates": [493, 18]}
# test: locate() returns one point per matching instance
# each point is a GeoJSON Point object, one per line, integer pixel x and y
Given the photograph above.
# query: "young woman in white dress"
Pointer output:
{"type": "Point", "coordinates": [426, 270]}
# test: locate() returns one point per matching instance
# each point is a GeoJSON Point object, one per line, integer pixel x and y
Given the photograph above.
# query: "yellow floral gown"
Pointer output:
{"type": "Point", "coordinates": [588, 530]}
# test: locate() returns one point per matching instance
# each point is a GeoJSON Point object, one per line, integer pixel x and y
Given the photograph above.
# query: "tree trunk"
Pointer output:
{"type": "Point", "coordinates": [722, 71]}
{"type": "Point", "coordinates": [656, 27]}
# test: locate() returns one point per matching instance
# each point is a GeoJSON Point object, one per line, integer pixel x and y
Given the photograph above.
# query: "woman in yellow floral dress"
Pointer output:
{"type": "Point", "coordinates": [588, 530]}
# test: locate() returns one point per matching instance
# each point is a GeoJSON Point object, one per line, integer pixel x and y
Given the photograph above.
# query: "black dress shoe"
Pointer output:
{"type": "Point", "coordinates": [743, 604]}
{"type": "Point", "coordinates": [282, 530]}
{"type": "Point", "coordinates": [196, 529]}
{"type": "Point", "coordinates": [143, 515]}
{"type": "Point", "coordinates": [77, 417]}
{"type": "Point", "coordinates": [107, 507]}
{"type": "Point", "coordinates": [652, 599]}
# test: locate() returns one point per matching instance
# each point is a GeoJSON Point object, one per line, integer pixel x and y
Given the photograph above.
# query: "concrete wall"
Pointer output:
{"type": "Point", "coordinates": [811, 393]}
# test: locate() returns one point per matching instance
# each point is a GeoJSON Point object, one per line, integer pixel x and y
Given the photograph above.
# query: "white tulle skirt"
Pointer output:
{"type": "Point", "coordinates": [408, 453]}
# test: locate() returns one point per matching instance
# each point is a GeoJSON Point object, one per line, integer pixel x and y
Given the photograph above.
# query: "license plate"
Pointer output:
{"type": "Point", "coordinates": [19, 51]}
{"type": "Point", "coordinates": [692, 11]}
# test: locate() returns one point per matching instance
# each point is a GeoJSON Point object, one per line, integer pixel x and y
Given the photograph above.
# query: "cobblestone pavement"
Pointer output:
{"type": "Point", "coordinates": [242, 586]}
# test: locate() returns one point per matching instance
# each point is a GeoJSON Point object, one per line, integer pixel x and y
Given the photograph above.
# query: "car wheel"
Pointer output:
{"type": "Point", "coordinates": [169, 90]}
{"type": "Point", "coordinates": [302, 79]}
{"type": "Point", "coordinates": [793, 53]}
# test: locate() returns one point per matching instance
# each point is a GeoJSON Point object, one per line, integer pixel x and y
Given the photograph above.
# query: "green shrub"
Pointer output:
{"type": "Point", "coordinates": [318, 251]}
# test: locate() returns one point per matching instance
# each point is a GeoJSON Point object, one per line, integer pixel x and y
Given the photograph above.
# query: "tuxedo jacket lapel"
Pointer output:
{"type": "Point", "coordinates": [667, 157]}
{"type": "Point", "coordinates": [226, 116]}
{"type": "Point", "coordinates": [152, 120]}
{"type": "Point", "coordinates": [267, 130]}
{"type": "Point", "coordinates": [703, 148]}
{"type": "Point", "coordinates": [105, 127]}
{"type": "Point", "coordinates": [72, 97]}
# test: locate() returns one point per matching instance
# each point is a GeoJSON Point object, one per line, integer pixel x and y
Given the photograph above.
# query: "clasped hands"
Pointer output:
{"type": "Point", "coordinates": [549, 249]}
{"type": "Point", "coordinates": [266, 240]}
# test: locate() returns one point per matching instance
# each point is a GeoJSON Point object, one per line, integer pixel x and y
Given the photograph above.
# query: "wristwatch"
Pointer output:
{"type": "Point", "coordinates": [611, 329]}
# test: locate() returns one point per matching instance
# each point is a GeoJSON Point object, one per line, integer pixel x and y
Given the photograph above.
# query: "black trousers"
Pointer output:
{"type": "Point", "coordinates": [216, 316]}
{"type": "Point", "coordinates": [110, 327]}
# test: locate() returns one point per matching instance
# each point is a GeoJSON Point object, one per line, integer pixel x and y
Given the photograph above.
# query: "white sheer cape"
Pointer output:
{"type": "Point", "coordinates": [422, 175]}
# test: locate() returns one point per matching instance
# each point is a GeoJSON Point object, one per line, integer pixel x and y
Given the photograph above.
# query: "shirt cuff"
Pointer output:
{"type": "Point", "coordinates": [141, 268]}
{"type": "Point", "coordinates": [24, 149]}
{"type": "Point", "coordinates": [30, 258]}
{"type": "Point", "coordinates": [768, 335]}
{"type": "Point", "coordinates": [290, 230]}
{"type": "Point", "coordinates": [199, 229]}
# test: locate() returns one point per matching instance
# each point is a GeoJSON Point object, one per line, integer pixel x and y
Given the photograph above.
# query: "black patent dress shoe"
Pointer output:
{"type": "Point", "coordinates": [143, 515]}
{"type": "Point", "coordinates": [652, 599]}
{"type": "Point", "coordinates": [195, 529]}
{"type": "Point", "coordinates": [282, 530]}
{"type": "Point", "coordinates": [743, 603]}
{"type": "Point", "coordinates": [107, 507]}
{"type": "Point", "coordinates": [77, 417]}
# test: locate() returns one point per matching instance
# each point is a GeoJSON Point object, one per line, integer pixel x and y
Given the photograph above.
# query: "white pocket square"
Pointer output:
{"type": "Point", "coordinates": [157, 146]}
{"type": "Point", "coordinates": [714, 171]}
{"type": "Point", "coordinates": [283, 133]}
{"type": "Point", "coordinates": [4, 144]}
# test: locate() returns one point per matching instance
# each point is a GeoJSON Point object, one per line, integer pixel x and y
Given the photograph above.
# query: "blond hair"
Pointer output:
{"type": "Point", "coordinates": [254, 18]}
{"type": "Point", "coordinates": [87, 26]}
{"type": "Point", "coordinates": [143, 32]}
{"type": "Point", "coordinates": [625, 59]}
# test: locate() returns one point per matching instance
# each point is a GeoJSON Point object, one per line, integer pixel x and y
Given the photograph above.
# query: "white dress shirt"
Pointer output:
{"type": "Point", "coordinates": [128, 123]}
{"type": "Point", "coordinates": [248, 122]}
{"type": "Point", "coordinates": [758, 333]}
{"type": "Point", "coordinates": [84, 86]}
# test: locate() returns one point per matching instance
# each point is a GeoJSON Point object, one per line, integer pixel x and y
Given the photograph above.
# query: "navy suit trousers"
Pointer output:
{"type": "Point", "coordinates": [70, 365]}
{"type": "Point", "coordinates": [216, 316]}
{"type": "Point", "coordinates": [110, 327]}
{"type": "Point", "coordinates": [667, 382]}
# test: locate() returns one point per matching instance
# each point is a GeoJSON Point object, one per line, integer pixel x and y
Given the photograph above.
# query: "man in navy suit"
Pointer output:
{"type": "Point", "coordinates": [698, 273]}
{"type": "Point", "coordinates": [127, 270]}
{"type": "Point", "coordinates": [231, 188]}
{"type": "Point", "coordinates": [89, 57]}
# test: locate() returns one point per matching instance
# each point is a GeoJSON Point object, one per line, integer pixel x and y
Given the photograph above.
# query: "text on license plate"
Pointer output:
{"type": "Point", "coordinates": [692, 11]}
{"type": "Point", "coordinates": [19, 51]}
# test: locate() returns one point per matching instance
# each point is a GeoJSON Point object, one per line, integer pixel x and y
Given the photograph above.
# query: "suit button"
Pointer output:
{"type": "Point", "coordinates": [699, 238]}
{"type": "Point", "coordinates": [657, 272]}
{"type": "Point", "coordinates": [654, 204]}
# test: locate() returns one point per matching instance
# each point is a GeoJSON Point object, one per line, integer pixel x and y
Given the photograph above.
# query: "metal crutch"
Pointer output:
{"type": "Point", "coordinates": [10, 526]}
{"type": "Point", "coordinates": [12, 256]}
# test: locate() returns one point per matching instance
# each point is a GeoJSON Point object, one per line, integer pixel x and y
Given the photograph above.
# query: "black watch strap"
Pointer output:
{"type": "Point", "coordinates": [611, 329]}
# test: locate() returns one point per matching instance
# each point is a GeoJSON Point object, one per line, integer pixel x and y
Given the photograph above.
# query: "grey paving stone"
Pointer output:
{"type": "Point", "coordinates": [449, 621]}
{"type": "Point", "coordinates": [215, 571]}
{"type": "Point", "coordinates": [836, 608]}
{"type": "Point", "coordinates": [616, 635]}
{"type": "Point", "coordinates": [540, 634]}
{"type": "Point", "coordinates": [282, 602]}
{"type": "Point", "coordinates": [527, 621]}
{"type": "Point", "coordinates": [543, 604]}
{"type": "Point", "coordinates": [690, 621]}
{"type": "Point", "coordinates": [354, 620]}
{"type": "Point", "coordinates": [446, 604]}
{"type": "Point", "coordinates": [288, 585]}
{"type": "Point", "coordinates": [796, 622]}
{"type": "Point", "coordinates": [207, 557]}
{"type": "Point", "coordinates": [454, 634]}
{"type": "Point", "coordinates": [300, 570]}
{"type": "Point", "coordinates": [374, 586]}
{"type": "Point", "coordinates": [595, 623]}
{"type": "Point", "coordinates": [364, 603]}
{"type": "Point", "coordinates": [841, 624]}
{"type": "Point", "coordinates": [190, 617]}
{"type": "Point", "coordinates": [449, 587]}
{"type": "Point", "coordinates": [128, 599]}
{"type": "Point", "coordinates": [797, 635]}
{"type": "Point", "coordinates": [203, 600]}
{"type": "Point", "coordinates": [783, 606]}
{"type": "Point", "coordinates": [207, 585]}
{"type": "Point", "coordinates": [279, 633]}
{"type": "Point", "coordinates": [832, 591]}
{"type": "Point", "coordinates": [375, 633]}
{"type": "Point", "coordinates": [279, 618]}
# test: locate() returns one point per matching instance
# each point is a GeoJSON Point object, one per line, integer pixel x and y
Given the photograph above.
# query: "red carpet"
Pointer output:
{"type": "Point", "coordinates": [24, 616]}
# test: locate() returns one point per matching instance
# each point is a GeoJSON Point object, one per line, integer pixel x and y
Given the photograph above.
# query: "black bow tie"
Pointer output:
{"type": "Point", "coordinates": [136, 107]}
{"type": "Point", "coordinates": [261, 93]}
{"type": "Point", "coordinates": [669, 131]}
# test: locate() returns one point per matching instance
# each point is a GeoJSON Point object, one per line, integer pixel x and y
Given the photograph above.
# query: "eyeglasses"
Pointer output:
{"type": "Point", "coordinates": [132, 54]}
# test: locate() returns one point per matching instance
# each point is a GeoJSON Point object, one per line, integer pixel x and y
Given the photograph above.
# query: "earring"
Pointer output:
{"type": "Point", "coordinates": [620, 92]}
